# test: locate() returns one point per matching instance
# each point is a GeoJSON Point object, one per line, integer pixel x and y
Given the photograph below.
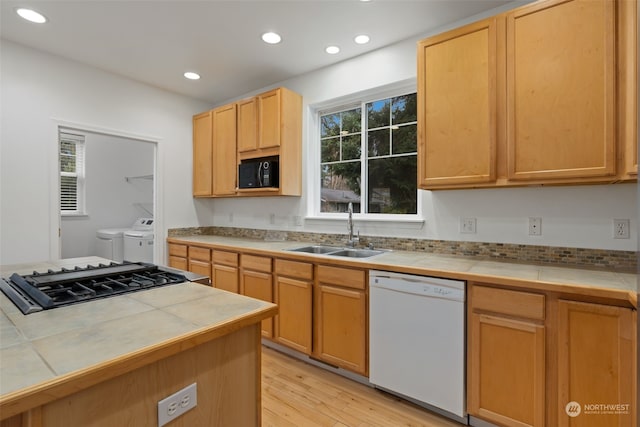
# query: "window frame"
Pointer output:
{"type": "Point", "coordinates": [79, 140]}
{"type": "Point", "coordinates": [355, 100]}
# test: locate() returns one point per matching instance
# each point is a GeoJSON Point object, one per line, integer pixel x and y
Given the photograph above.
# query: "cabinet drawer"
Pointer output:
{"type": "Point", "coordinates": [346, 277]}
{"type": "Point", "coordinates": [513, 303]}
{"type": "Point", "coordinates": [301, 270]}
{"type": "Point", "coordinates": [178, 250]}
{"type": "Point", "coordinates": [225, 258]}
{"type": "Point", "coordinates": [255, 263]}
{"type": "Point", "coordinates": [200, 254]}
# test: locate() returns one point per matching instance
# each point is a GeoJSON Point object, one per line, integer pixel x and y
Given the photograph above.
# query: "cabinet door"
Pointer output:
{"type": "Point", "coordinates": [225, 277]}
{"type": "Point", "coordinates": [341, 327]}
{"type": "Point", "coordinates": [506, 353]}
{"type": "Point", "coordinates": [259, 285]}
{"type": "Point", "coordinates": [561, 90]}
{"type": "Point", "coordinates": [457, 106]}
{"type": "Point", "coordinates": [507, 371]}
{"type": "Point", "coordinates": [248, 125]}
{"type": "Point", "coordinates": [293, 322]}
{"type": "Point", "coordinates": [224, 150]}
{"type": "Point", "coordinates": [596, 364]}
{"type": "Point", "coordinates": [269, 119]}
{"type": "Point", "coordinates": [202, 155]}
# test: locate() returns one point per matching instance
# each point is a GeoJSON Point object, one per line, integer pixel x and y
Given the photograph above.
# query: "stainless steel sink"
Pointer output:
{"type": "Point", "coordinates": [335, 251]}
{"type": "Point", "coordinates": [356, 253]}
{"type": "Point", "coordinates": [316, 249]}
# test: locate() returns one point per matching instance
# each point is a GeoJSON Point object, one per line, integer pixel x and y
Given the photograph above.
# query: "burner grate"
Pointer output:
{"type": "Point", "coordinates": [69, 286]}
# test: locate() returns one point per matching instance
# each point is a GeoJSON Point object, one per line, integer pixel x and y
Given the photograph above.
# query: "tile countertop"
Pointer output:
{"type": "Point", "coordinates": [617, 286]}
{"type": "Point", "coordinates": [60, 345]}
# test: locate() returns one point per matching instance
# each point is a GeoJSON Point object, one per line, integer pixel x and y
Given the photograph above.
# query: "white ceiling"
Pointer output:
{"type": "Point", "coordinates": [155, 41]}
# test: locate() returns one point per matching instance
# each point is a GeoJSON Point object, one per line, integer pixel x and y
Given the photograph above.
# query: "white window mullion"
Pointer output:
{"type": "Point", "coordinates": [364, 159]}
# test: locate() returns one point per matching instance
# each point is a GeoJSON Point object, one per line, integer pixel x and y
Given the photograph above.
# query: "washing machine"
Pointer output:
{"type": "Point", "coordinates": [138, 241]}
{"type": "Point", "coordinates": [111, 243]}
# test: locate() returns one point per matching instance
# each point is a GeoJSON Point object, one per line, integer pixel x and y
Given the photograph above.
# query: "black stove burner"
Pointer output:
{"type": "Point", "coordinates": [43, 291]}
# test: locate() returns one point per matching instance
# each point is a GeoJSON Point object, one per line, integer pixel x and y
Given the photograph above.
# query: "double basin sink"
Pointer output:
{"type": "Point", "coordinates": [338, 252]}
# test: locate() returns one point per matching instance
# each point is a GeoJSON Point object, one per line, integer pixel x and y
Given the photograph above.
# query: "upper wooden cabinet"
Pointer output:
{"type": "Point", "coordinates": [248, 125]}
{"type": "Point", "coordinates": [543, 94]}
{"type": "Point", "coordinates": [214, 152]}
{"type": "Point", "coordinates": [268, 125]}
{"type": "Point", "coordinates": [561, 90]}
{"type": "Point", "coordinates": [457, 106]}
{"type": "Point", "coordinates": [224, 150]}
{"type": "Point", "coordinates": [202, 155]}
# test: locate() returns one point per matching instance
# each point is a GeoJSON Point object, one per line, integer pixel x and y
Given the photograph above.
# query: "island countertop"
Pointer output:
{"type": "Point", "coordinates": [619, 287]}
{"type": "Point", "coordinates": [52, 353]}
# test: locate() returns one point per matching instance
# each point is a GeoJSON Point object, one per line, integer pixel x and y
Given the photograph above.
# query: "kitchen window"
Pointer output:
{"type": "Point", "coordinates": [368, 156]}
{"type": "Point", "coordinates": [72, 182]}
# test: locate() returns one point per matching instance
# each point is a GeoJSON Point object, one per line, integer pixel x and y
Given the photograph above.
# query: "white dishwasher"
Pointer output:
{"type": "Point", "coordinates": [417, 340]}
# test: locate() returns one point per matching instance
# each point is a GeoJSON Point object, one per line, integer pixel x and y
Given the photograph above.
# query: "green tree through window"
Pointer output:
{"type": "Point", "coordinates": [369, 153]}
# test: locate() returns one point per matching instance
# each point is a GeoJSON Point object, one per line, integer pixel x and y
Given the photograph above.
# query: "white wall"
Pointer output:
{"type": "Point", "coordinates": [39, 91]}
{"type": "Point", "coordinates": [573, 216]}
{"type": "Point", "coordinates": [111, 200]}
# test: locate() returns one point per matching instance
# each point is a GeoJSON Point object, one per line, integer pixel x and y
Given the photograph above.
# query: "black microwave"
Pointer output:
{"type": "Point", "coordinates": [258, 173]}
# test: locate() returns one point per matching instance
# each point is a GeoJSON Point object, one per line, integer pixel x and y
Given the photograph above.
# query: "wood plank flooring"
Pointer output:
{"type": "Point", "coordinates": [297, 394]}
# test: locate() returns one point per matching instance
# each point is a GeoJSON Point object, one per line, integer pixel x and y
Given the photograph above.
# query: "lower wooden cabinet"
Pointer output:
{"type": "Point", "coordinates": [596, 365]}
{"type": "Point", "coordinates": [224, 271]}
{"type": "Point", "coordinates": [506, 357]}
{"type": "Point", "coordinates": [294, 296]}
{"type": "Point", "coordinates": [256, 281]}
{"type": "Point", "coordinates": [537, 359]}
{"type": "Point", "coordinates": [200, 260]}
{"type": "Point", "coordinates": [340, 318]}
{"type": "Point", "coordinates": [178, 256]}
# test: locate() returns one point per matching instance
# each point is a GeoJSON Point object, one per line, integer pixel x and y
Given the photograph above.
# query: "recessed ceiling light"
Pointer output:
{"type": "Point", "coordinates": [332, 50]}
{"type": "Point", "coordinates": [191, 75]}
{"type": "Point", "coordinates": [362, 39]}
{"type": "Point", "coordinates": [271, 38]}
{"type": "Point", "coordinates": [31, 15]}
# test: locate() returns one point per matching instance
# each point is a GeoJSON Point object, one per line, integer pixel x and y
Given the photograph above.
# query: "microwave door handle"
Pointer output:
{"type": "Point", "coordinates": [260, 174]}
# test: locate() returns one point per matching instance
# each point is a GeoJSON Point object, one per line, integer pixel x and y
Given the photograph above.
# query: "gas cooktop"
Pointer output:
{"type": "Point", "coordinates": [52, 289]}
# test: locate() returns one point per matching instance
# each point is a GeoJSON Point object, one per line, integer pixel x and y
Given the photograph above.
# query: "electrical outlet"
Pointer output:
{"type": "Point", "coordinates": [535, 226]}
{"type": "Point", "coordinates": [468, 225]}
{"type": "Point", "coordinates": [621, 229]}
{"type": "Point", "coordinates": [230, 217]}
{"type": "Point", "coordinates": [272, 218]}
{"type": "Point", "coordinates": [297, 220]}
{"type": "Point", "coordinates": [178, 403]}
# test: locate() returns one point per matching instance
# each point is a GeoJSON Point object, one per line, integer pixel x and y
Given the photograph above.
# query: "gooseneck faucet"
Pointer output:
{"type": "Point", "coordinates": [351, 240]}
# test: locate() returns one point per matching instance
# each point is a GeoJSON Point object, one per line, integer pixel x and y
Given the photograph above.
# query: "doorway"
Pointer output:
{"type": "Point", "coordinates": [115, 184]}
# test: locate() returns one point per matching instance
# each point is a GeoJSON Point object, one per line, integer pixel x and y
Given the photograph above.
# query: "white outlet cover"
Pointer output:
{"type": "Point", "coordinates": [171, 407]}
{"type": "Point", "coordinates": [621, 228]}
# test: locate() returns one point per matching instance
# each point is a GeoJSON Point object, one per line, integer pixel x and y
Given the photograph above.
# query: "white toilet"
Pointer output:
{"type": "Point", "coordinates": [111, 243]}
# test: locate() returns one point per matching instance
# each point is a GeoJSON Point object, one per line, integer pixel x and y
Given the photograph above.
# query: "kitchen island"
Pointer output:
{"type": "Point", "coordinates": [108, 362]}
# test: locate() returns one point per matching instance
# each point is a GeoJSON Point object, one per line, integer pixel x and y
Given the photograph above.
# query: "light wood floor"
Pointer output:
{"type": "Point", "coordinates": [297, 394]}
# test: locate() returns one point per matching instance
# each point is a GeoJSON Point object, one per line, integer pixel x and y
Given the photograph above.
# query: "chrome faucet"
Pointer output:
{"type": "Point", "coordinates": [352, 240]}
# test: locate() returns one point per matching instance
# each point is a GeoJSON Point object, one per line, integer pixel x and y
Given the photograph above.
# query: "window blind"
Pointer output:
{"type": "Point", "coordinates": [71, 173]}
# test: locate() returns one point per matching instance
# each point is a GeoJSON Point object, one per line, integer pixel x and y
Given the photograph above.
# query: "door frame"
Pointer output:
{"type": "Point", "coordinates": [55, 237]}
